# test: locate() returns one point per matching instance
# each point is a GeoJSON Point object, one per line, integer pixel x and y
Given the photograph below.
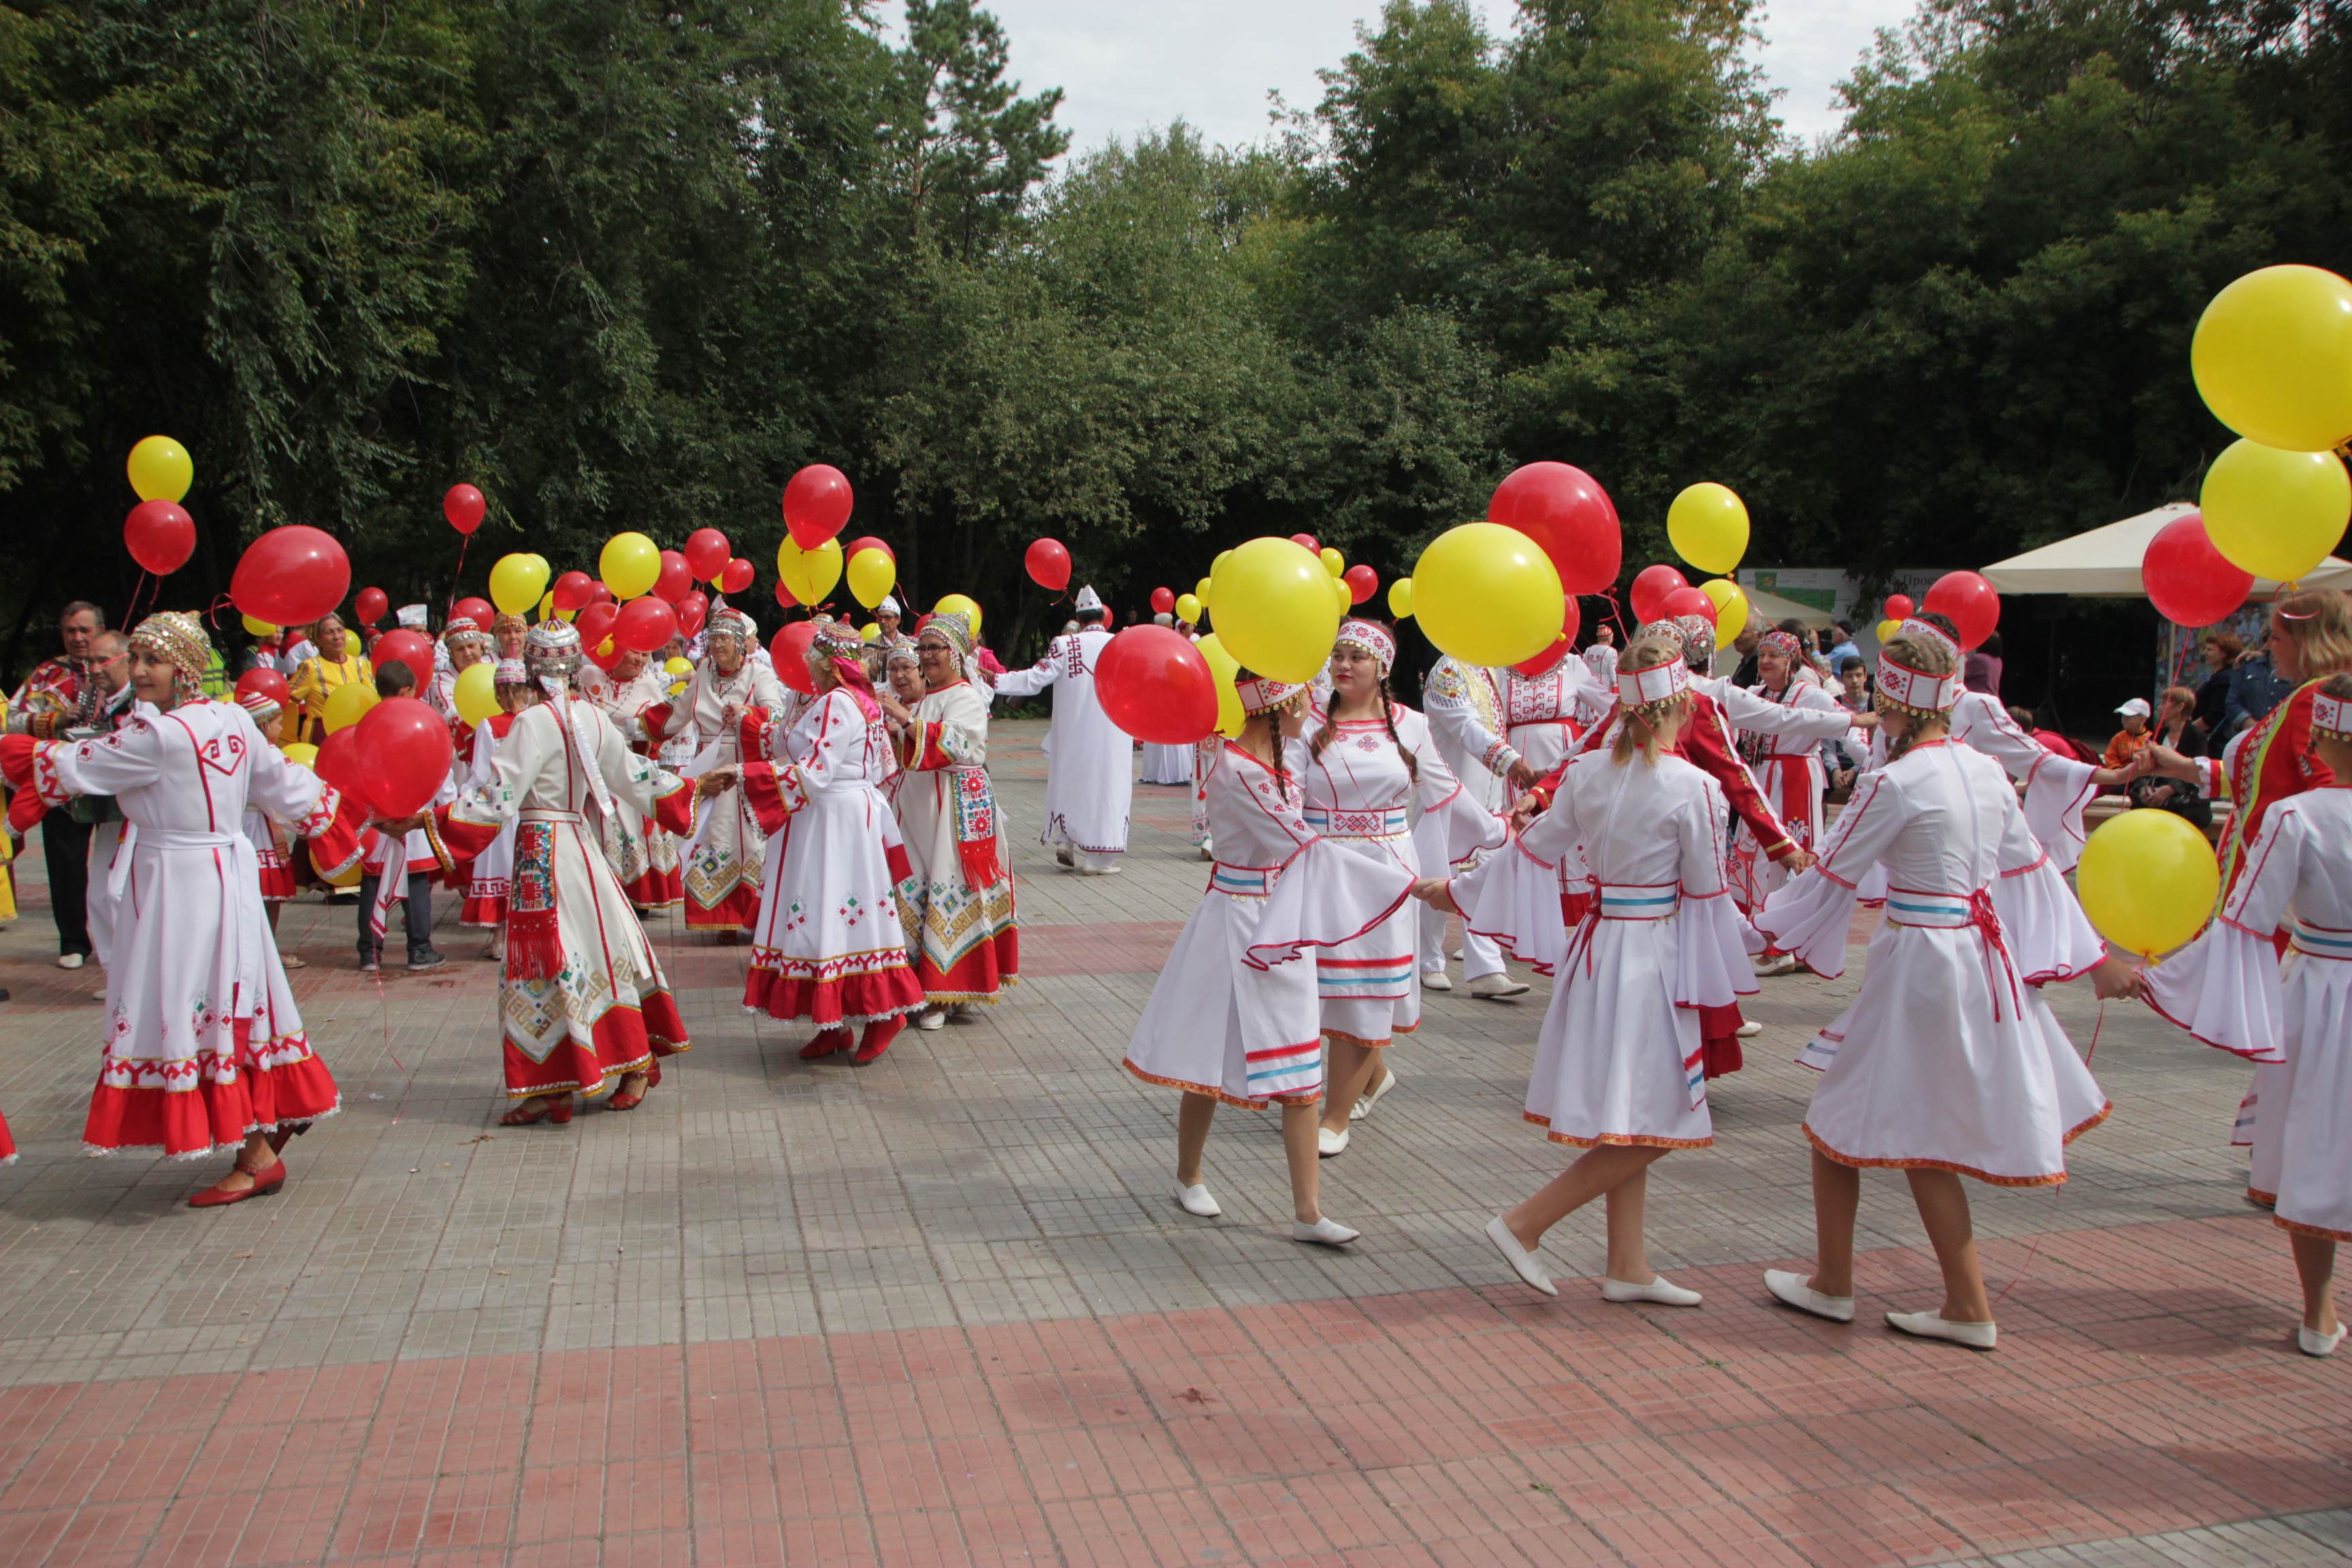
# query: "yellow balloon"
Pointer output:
{"type": "Point", "coordinates": [1275, 610]}
{"type": "Point", "coordinates": [516, 583]}
{"type": "Point", "coordinates": [1223, 668]}
{"type": "Point", "coordinates": [960, 604]}
{"type": "Point", "coordinates": [605, 649]}
{"type": "Point", "coordinates": [1887, 630]}
{"type": "Point", "coordinates": [1334, 562]}
{"type": "Point", "coordinates": [630, 566]}
{"type": "Point", "coordinates": [1401, 598]}
{"type": "Point", "coordinates": [1345, 595]}
{"type": "Point", "coordinates": [2272, 358]}
{"type": "Point", "coordinates": [348, 704]}
{"type": "Point", "coordinates": [1188, 608]}
{"type": "Point", "coordinates": [478, 691]}
{"type": "Point", "coordinates": [302, 754]}
{"type": "Point", "coordinates": [546, 608]}
{"type": "Point", "coordinates": [1487, 594]}
{"type": "Point", "coordinates": [1708, 527]}
{"type": "Point", "coordinates": [1731, 608]}
{"type": "Point", "coordinates": [810, 574]}
{"type": "Point", "coordinates": [871, 575]}
{"type": "Point", "coordinates": [258, 629]}
{"type": "Point", "coordinates": [2273, 512]}
{"type": "Point", "coordinates": [871, 629]}
{"type": "Point", "coordinates": [2147, 880]}
{"type": "Point", "coordinates": [1201, 592]}
{"type": "Point", "coordinates": [679, 666]}
{"type": "Point", "coordinates": [159, 470]}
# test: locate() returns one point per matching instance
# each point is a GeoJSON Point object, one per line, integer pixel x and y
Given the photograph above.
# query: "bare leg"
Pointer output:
{"type": "Point", "coordinates": [1837, 1198]}
{"type": "Point", "coordinates": [1628, 1260]}
{"type": "Point", "coordinates": [1349, 1072]}
{"type": "Point", "coordinates": [269, 912]}
{"type": "Point", "coordinates": [1944, 1210]}
{"type": "Point", "coordinates": [258, 1154]}
{"type": "Point", "coordinates": [1193, 1113]}
{"type": "Point", "coordinates": [1298, 1125]}
{"type": "Point", "coordinates": [1595, 1172]}
{"type": "Point", "coordinates": [2315, 1262]}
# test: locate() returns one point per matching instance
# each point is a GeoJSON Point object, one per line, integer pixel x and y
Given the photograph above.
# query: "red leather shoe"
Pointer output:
{"type": "Point", "coordinates": [265, 1182]}
{"type": "Point", "coordinates": [879, 1036]}
{"type": "Point", "coordinates": [827, 1043]}
{"type": "Point", "coordinates": [555, 1108]}
{"type": "Point", "coordinates": [623, 1099]}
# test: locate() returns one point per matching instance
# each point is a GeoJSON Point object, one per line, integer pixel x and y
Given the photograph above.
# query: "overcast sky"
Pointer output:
{"type": "Point", "coordinates": [1128, 65]}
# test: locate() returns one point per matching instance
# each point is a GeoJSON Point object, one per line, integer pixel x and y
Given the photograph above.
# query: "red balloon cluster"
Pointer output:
{"type": "Point", "coordinates": [372, 605]}
{"type": "Point", "coordinates": [1362, 584]}
{"type": "Point", "coordinates": [691, 612]}
{"type": "Point", "coordinates": [598, 593]}
{"type": "Point", "coordinates": [464, 507]}
{"type": "Point", "coordinates": [1970, 602]}
{"type": "Point", "coordinates": [1689, 601]}
{"type": "Point", "coordinates": [789, 649]}
{"type": "Point", "coordinates": [645, 625]}
{"type": "Point", "coordinates": [1899, 608]}
{"type": "Point", "coordinates": [2189, 581]}
{"type": "Point", "coordinates": [1565, 510]}
{"type": "Point", "coordinates": [784, 596]}
{"type": "Point", "coordinates": [1156, 685]}
{"type": "Point", "coordinates": [402, 748]}
{"type": "Point", "coordinates": [595, 624]}
{"type": "Point", "coordinates": [413, 648]}
{"type": "Point", "coordinates": [574, 591]}
{"type": "Point", "coordinates": [1652, 586]}
{"type": "Point", "coordinates": [1049, 565]}
{"type": "Point", "coordinates": [270, 684]}
{"type": "Point", "coordinates": [476, 610]}
{"type": "Point", "coordinates": [738, 576]}
{"type": "Point", "coordinates": [816, 504]}
{"type": "Point", "coordinates": [676, 578]}
{"type": "Point", "coordinates": [161, 536]}
{"type": "Point", "coordinates": [338, 764]}
{"type": "Point", "coordinates": [291, 576]}
{"type": "Point", "coordinates": [708, 553]}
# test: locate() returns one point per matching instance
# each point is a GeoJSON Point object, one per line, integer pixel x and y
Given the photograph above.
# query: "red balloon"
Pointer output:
{"type": "Point", "coordinates": [402, 750]}
{"type": "Point", "coordinates": [373, 606]}
{"type": "Point", "coordinates": [161, 536]}
{"type": "Point", "coordinates": [463, 506]}
{"type": "Point", "coordinates": [1049, 565]}
{"type": "Point", "coordinates": [789, 649]}
{"type": "Point", "coordinates": [605, 655]}
{"type": "Point", "coordinates": [338, 764]}
{"type": "Point", "coordinates": [1362, 584]}
{"type": "Point", "coordinates": [707, 551]}
{"type": "Point", "coordinates": [1898, 606]}
{"type": "Point", "coordinates": [1652, 585]}
{"type": "Point", "coordinates": [816, 503]}
{"type": "Point", "coordinates": [2188, 580]}
{"type": "Point", "coordinates": [645, 624]}
{"type": "Point", "coordinates": [784, 596]}
{"type": "Point", "coordinates": [598, 593]}
{"type": "Point", "coordinates": [270, 684]}
{"type": "Point", "coordinates": [1970, 602]}
{"type": "Point", "coordinates": [476, 610]}
{"type": "Point", "coordinates": [1156, 685]}
{"type": "Point", "coordinates": [1163, 600]}
{"type": "Point", "coordinates": [595, 624]}
{"type": "Point", "coordinates": [291, 576]}
{"type": "Point", "coordinates": [412, 648]}
{"type": "Point", "coordinates": [1307, 541]}
{"type": "Point", "coordinates": [1688, 602]}
{"type": "Point", "coordinates": [676, 579]}
{"type": "Point", "coordinates": [738, 577]}
{"type": "Point", "coordinates": [866, 541]}
{"type": "Point", "coordinates": [1565, 510]}
{"type": "Point", "coordinates": [1552, 656]}
{"type": "Point", "coordinates": [574, 591]}
{"type": "Point", "coordinates": [691, 612]}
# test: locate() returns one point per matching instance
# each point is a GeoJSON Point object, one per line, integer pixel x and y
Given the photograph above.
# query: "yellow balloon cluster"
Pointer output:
{"type": "Point", "coordinates": [517, 582]}
{"type": "Point", "coordinates": [347, 705]}
{"type": "Point", "coordinates": [1276, 609]}
{"type": "Point", "coordinates": [2147, 880]}
{"type": "Point", "coordinates": [2273, 359]}
{"type": "Point", "coordinates": [1487, 594]}
{"type": "Point", "coordinates": [810, 574]}
{"type": "Point", "coordinates": [1707, 526]}
{"type": "Point", "coordinates": [478, 691]}
{"type": "Point", "coordinates": [2274, 512]}
{"type": "Point", "coordinates": [871, 575]}
{"type": "Point", "coordinates": [1223, 668]}
{"type": "Point", "coordinates": [159, 470]}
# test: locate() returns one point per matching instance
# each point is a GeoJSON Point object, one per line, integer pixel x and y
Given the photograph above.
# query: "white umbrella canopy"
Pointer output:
{"type": "Point", "coordinates": [1772, 610]}
{"type": "Point", "coordinates": [2104, 563]}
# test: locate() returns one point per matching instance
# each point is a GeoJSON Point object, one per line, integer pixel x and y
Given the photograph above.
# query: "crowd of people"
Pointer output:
{"type": "Point", "coordinates": [1651, 835]}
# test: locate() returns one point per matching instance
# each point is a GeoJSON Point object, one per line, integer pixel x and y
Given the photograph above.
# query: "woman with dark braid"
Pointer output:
{"type": "Point", "coordinates": [1372, 782]}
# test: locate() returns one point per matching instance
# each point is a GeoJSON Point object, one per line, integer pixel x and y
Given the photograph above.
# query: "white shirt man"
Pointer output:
{"type": "Point", "coordinates": [1090, 767]}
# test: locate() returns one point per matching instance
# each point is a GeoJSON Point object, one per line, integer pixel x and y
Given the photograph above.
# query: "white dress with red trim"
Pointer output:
{"type": "Point", "coordinates": [489, 877]}
{"type": "Point", "coordinates": [2294, 1019]}
{"type": "Point", "coordinates": [269, 854]}
{"type": "Point", "coordinates": [1546, 713]}
{"type": "Point", "coordinates": [582, 1000]}
{"type": "Point", "coordinates": [829, 948]}
{"type": "Point", "coordinates": [1235, 1013]}
{"type": "Point", "coordinates": [1361, 797]}
{"type": "Point", "coordinates": [1948, 1058]}
{"type": "Point", "coordinates": [1621, 1058]}
{"type": "Point", "coordinates": [723, 866]}
{"type": "Point", "coordinates": [1090, 766]}
{"type": "Point", "coordinates": [1788, 769]}
{"type": "Point", "coordinates": [957, 903]}
{"type": "Point", "coordinates": [643, 854]}
{"type": "Point", "coordinates": [204, 1043]}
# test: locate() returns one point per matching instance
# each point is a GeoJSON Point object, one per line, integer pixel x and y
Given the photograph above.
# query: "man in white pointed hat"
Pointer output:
{"type": "Point", "coordinates": [888, 615]}
{"type": "Point", "coordinates": [1090, 768]}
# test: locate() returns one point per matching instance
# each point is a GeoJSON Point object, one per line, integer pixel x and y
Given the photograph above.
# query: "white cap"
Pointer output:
{"type": "Point", "coordinates": [1087, 600]}
{"type": "Point", "coordinates": [2136, 708]}
{"type": "Point", "coordinates": [888, 606]}
{"type": "Point", "coordinates": [410, 616]}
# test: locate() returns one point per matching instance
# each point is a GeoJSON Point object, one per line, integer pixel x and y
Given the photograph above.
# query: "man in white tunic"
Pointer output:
{"type": "Point", "coordinates": [1090, 772]}
{"type": "Point", "coordinates": [1464, 703]}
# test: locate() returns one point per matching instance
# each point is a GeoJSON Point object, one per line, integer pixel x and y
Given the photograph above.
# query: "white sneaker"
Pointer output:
{"type": "Point", "coordinates": [1494, 987]}
{"type": "Point", "coordinates": [70, 961]}
{"type": "Point", "coordinates": [1457, 955]}
{"type": "Point", "coordinates": [1748, 1030]}
{"type": "Point", "coordinates": [2310, 1341]}
{"type": "Point", "coordinates": [1660, 1289]}
{"type": "Point", "coordinates": [1196, 1200]}
{"type": "Point", "coordinates": [1778, 963]}
{"type": "Point", "coordinates": [1364, 1102]}
{"type": "Point", "coordinates": [930, 1017]}
{"type": "Point", "coordinates": [1436, 980]}
{"type": "Point", "coordinates": [1788, 1288]}
{"type": "Point", "coordinates": [1327, 1142]}
{"type": "Point", "coordinates": [1325, 1232]}
{"type": "Point", "coordinates": [1524, 1263]}
{"type": "Point", "coordinates": [1929, 1326]}
{"type": "Point", "coordinates": [1112, 870]}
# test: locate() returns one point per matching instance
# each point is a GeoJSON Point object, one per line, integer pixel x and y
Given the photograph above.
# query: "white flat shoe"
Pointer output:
{"type": "Point", "coordinates": [1327, 1142]}
{"type": "Point", "coordinates": [1457, 955]}
{"type": "Point", "coordinates": [1325, 1232]}
{"type": "Point", "coordinates": [1748, 1030]}
{"type": "Point", "coordinates": [1929, 1326]}
{"type": "Point", "coordinates": [1494, 987]}
{"type": "Point", "coordinates": [1196, 1200]}
{"type": "Point", "coordinates": [1364, 1102]}
{"type": "Point", "coordinates": [1207, 853]}
{"type": "Point", "coordinates": [930, 1017]}
{"type": "Point", "coordinates": [1788, 1288]}
{"type": "Point", "coordinates": [1523, 1263]}
{"type": "Point", "coordinates": [1436, 980]}
{"type": "Point", "coordinates": [70, 961]}
{"type": "Point", "coordinates": [1786, 964]}
{"type": "Point", "coordinates": [2310, 1341]}
{"type": "Point", "coordinates": [1100, 870]}
{"type": "Point", "coordinates": [1661, 1290]}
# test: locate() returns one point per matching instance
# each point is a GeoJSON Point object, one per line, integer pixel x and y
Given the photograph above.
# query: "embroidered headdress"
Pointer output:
{"type": "Point", "coordinates": [260, 704]}
{"type": "Point", "coordinates": [1087, 600]}
{"type": "Point", "coordinates": [1915, 691]}
{"type": "Point", "coordinates": [1647, 693]}
{"type": "Point", "coordinates": [1261, 695]}
{"type": "Point", "coordinates": [954, 628]}
{"type": "Point", "coordinates": [733, 623]}
{"type": "Point", "coordinates": [1369, 638]}
{"type": "Point", "coordinates": [2331, 716]}
{"type": "Point", "coordinates": [512, 672]}
{"type": "Point", "coordinates": [1697, 634]}
{"type": "Point", "coordinates": [836, 643]}
{"type": "Point", "coordinates": [178, 638]}
{"type": "Point", "coordinates": [1919, 630]}
{"type": "Point", "coordinates": [1785, 644]}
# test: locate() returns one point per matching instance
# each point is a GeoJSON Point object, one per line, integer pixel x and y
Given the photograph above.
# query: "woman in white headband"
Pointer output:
{"type": "Point", "coordinates": [1619, 1064]}
{"type": "Point", "coordinates": [1949, 1063]}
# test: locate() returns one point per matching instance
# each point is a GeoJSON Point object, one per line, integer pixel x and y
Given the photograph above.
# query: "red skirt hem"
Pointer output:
{"type": "Point", "coordinates": [186, 1123]}
{"type": "Point", "coordinates": [624, 1040]}
{"type": "Point", "coordinates": [978, 976]}
{"type": "Point", "coordinates": [738, 910]}
{"type": "Point", "coordinates": [852, 999]}
{"type": "Point", "coordinates": [1718, 1031]}
{"type": "Point", "coordinates": [660, 889]}
{"type": "Point", "coordinates": [483, 911]}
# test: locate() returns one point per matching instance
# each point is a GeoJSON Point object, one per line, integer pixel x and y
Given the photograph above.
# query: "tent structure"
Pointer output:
{"type": "Point", "coordinates": [1772, 610]}
{"type": "Point", "coordinates": [2104, 563]}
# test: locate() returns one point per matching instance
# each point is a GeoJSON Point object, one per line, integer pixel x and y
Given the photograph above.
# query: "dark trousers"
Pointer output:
{"type": "Point", "coordinates": [65, 850]}
{"type": "Point", "coordinates": [417, 915]}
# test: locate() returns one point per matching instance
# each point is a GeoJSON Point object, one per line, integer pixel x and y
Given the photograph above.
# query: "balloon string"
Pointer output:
{"type": "Point", "coordinates": [457, 581]}
{"type": "Point", "coordinates": [2035, 1250]}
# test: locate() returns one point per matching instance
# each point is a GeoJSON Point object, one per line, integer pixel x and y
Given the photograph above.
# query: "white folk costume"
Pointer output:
{"type": "Point", "coordinates": [1621, 1058]}
{"type": "Point", "coordinates": [724, 864]}
{"type": "Point", "coordinates": [490, 876]}
{"type": "Point", "coordinates": [1949, 1058]}
{"type": "Point", "coordinates": [1464, 704]}
{"type": "Point", "coordinates": [1235, 1014]}
{"type": "Point", "coordinates": [956, 905]}
{"type": "Point", "coordinates": [582, 1000]}
{"type": "Point", "coordinates": [1545, 714]}
{"type": "Point", "coordinates": [1090, 766]}
{"type": "Point", "coordinates": [829, 948]}
{"type": "Point", "coordinates": [1788, 769]}
{"type": "Point", "coordinates": [643, 854]}
{"type": "Point", "coordinates": [204, 1043]}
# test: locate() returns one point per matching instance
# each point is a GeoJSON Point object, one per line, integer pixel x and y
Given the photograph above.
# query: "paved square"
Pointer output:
{"type": "Point", "coordinates": [943, 1309]}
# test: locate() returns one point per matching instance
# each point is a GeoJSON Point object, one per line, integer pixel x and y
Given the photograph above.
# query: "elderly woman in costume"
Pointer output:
{"type": "Point", "coordinates": [830, 949]}
{"type": "Point", "coordinates": [958, 906]}
{"type": "Point", "coordinates": [731, 705]}
{"type": "Point", "coordinates": [634, 696]}
{"type": "Point", "coordinates": [583, 1003]}
{"type": "Point", "coordinates": [204, 1048]}
{"type": "Point", "coordinates": [463, 646]}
